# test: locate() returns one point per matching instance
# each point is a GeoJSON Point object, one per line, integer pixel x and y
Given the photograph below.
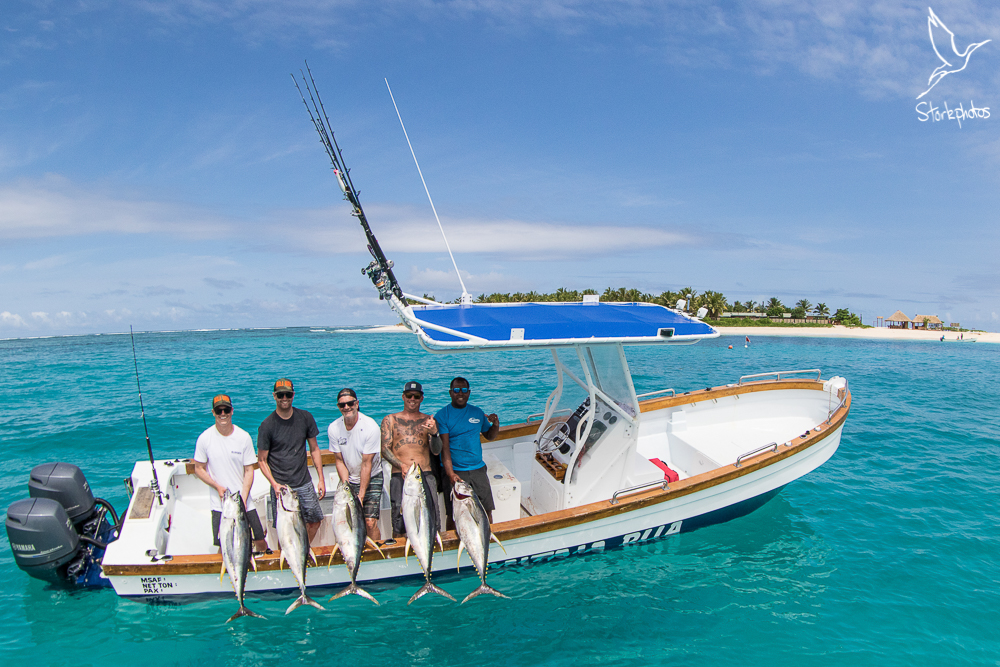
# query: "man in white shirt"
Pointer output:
{"type": "Point", "coordinates": [224, 459]}
{"type": "Point", "coordinates": [356, 441]}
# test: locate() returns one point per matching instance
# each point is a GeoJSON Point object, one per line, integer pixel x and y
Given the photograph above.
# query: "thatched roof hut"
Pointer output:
{"type": "Point", "coordinates": [927, 321]}
{"type": "Point", "coordinates": [898, 321]}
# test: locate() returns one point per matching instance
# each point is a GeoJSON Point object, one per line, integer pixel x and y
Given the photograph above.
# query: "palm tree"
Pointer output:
{"type": "Point", "coordinates": [715, 302]}
{"type": "Point", "coordinates": [774, 307]}
{"type": "Point", "coordinates": [821, 310]}
{"type": "Point", "coordinates": [804, 305]}
{"type": "Point", "coordinates": [689, 295]}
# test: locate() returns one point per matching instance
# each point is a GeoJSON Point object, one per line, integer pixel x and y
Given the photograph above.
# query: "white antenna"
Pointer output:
{"type": "Point", "coordinates": [466, 298]}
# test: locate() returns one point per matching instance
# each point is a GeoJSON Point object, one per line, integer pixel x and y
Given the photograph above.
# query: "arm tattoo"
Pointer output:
{"type": "Point", "coordinates": [387, 436]}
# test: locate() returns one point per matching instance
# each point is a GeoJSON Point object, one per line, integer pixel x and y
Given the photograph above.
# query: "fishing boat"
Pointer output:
{"type": "Point", "coordinates": [598, 467]}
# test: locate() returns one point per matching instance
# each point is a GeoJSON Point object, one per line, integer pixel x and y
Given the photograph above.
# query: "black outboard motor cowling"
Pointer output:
{"type": "Point", "coordinates": [65, 484]}
{"type": "Point", "coordinates": [42, 538]}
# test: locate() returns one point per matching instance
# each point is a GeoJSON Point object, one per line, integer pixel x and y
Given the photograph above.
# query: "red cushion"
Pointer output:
{"type": "Point", "coordinates": [668, 474]}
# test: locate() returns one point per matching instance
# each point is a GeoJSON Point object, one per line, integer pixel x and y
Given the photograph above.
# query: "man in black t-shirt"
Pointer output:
{"type": "Point", "coordinates": [281, 443]}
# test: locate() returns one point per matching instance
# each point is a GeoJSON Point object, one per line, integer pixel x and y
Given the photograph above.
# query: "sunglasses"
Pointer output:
{"type": "Point", "coordinates": [460, 390]}
{"type": "Point", "coordinates": [412, 396]}
{"type": "Point", "coordinates": [284, 394]}
{"type": "Point", "coordinates": [222, 411]}
{"type": "Point", "coordinates": [346, 404]}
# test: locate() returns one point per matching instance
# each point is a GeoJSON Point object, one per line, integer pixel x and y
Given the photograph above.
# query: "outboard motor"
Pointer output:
{"type": "Point", "coordinates": [65, 484]}
{"type": "Point", "coordinates": [59, 534]}
{"type": "Point", "coordinates": [42, 538]}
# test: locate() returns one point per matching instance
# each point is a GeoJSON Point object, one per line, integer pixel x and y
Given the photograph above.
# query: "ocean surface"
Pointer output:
{"type": "Point", "coordinates": [887, 555]}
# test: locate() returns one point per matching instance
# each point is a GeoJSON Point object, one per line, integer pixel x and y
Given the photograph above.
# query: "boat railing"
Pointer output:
{"type": "Point", "coordinates": [661, 391]}
{"type": "Point", "coordinates": [632, 489]}
{"type": "Point", "coordinates": [739, 458]}
{"type": "Point", "coordinates": [843, 400]}
{"type": "Point", "coordinates": [538, 415]}
{"type": "Point", "coordinates": [778, 374]}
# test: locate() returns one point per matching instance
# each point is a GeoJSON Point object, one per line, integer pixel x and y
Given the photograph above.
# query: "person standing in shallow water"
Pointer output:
{"type": "Point", "coordinates": [223, 459]}
{"type": "Point", "coordinates": [462, 451]}
{"type": "Point", "coordinates": [281, 454]}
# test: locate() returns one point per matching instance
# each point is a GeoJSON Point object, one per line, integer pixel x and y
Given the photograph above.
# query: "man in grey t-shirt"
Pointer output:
{"type": "Point", "coordinates": [281, 445]}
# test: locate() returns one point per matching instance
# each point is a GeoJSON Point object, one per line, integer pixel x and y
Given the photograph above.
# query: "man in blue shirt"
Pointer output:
{"type": "Point", "coordinates": [459, 425]}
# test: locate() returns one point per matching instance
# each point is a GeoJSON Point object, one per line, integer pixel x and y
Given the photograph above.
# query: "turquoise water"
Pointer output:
{"type": "Point", "coordinates": [887, 555]}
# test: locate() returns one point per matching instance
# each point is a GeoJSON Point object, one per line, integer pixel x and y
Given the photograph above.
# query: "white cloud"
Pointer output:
{"type": "Point", "coordinates": [13, 319]}
{"type": "Point", "coordinates": [54, 207]}
{"type": "Point", "coordinates": [401, 229]}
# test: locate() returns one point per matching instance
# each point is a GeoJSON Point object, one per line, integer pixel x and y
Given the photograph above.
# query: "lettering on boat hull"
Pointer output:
{"type": "Point", "coordinates": [598, 546]}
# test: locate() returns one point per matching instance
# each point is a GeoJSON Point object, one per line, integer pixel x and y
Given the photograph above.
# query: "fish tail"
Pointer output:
{"type": "Point", "coordinates": [243, 611]}
{"type": "Point", "coordinates": [354, 589]}
{"type": "Point", "coordinates": [430, 588]}
{"type": "Point", "coordinates": [483, 588]}
{"type": "Point", "coordinates": [303, 599]}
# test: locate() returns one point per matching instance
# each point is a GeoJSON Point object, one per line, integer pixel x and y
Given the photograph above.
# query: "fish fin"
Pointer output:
{"type": "Point", "coordinates": [494, 538]}
{"type": "Point", "coordinates": [222, 573]}
{"type": "Point", "coordinates": [313, 556]}
{"type": "Point", "coordinates": [483, 588]}
{"type": "Point", "coordinates": [243, 612]}
{"type": "Point", "coordinates": [303, 599]}
{"type": "Point", "coordinates": [332, 554]}
{"type": "Point", "coordinates": [440, 543]}
{"type": "Point", "coordinates": [354, 589]}
{"type": "Point", "coordinates": [406, 551]}
{"type": "Point", "coordinates": [281, 559]}
{"type": "Point", "coordinates": [253, 561]}
{"type": "Point", "coordinates": [458, 565]}
{"type": "Point", "coordinates": [373, 543]}
{"type": "Point", "coordinates": [430, 588]}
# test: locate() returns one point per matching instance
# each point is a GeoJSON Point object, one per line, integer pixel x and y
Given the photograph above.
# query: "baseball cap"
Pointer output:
{"type": "Point", "coordinates": [221, 399]}
{"type": "Point", "coordinates": [413, 385]}
{"type": "Point", "coordinates": [284, 384]}
{"type": "Point", "coordinates": [346, 391]}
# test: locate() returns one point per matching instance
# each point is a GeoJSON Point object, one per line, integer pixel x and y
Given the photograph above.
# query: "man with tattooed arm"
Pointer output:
{"type": "Point", "coordinates": [410, 437]}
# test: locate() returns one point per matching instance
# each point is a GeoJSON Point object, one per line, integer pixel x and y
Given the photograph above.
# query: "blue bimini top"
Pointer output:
{"type": "Point", "coordinates": [522, 325]}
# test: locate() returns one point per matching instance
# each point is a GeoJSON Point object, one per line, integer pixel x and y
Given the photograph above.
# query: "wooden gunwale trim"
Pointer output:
{"type": "Point", "coordinates": [534, 525]}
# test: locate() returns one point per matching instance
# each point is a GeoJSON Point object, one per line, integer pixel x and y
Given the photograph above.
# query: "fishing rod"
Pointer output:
{"type": "Point", "coordinates": [149, 446]}
{"type": "Point", "coordinates": [379, 271]}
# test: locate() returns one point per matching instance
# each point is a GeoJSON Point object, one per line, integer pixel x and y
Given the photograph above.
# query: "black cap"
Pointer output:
{"type": "Point", "coordinates": [346, 391]}
{"type": "Point", "coordinates": [413, 385]}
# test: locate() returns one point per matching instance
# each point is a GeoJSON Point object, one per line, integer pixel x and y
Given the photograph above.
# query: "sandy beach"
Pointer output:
{"type": "Point", "coordinates": [802, 332]}
{"type": "Point", "coordinates": [836, 331]}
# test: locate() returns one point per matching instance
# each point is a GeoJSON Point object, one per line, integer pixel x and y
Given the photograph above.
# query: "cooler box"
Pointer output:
{"type": "Point", "coordinates": [506, 489]}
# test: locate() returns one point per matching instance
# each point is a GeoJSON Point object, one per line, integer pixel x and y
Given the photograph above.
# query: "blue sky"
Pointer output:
{"type": "Point", "coordinates": [157, 167]}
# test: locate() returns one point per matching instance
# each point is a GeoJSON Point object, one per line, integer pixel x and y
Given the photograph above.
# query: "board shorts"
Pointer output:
{"type": "Point", "coordinates": [480, 483]}
{"type": "Point", "coordinates": [396, 500]}
{"type": "Point", "coordinates": [308, 503]}
{"type": "Point", "coordinates": [372, 502]}
{"type": "Point", "coordinates": [256, 527]}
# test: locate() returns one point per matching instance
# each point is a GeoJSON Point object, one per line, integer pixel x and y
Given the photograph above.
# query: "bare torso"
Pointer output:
{"type": "Point", "coordinates": [406, 440]}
